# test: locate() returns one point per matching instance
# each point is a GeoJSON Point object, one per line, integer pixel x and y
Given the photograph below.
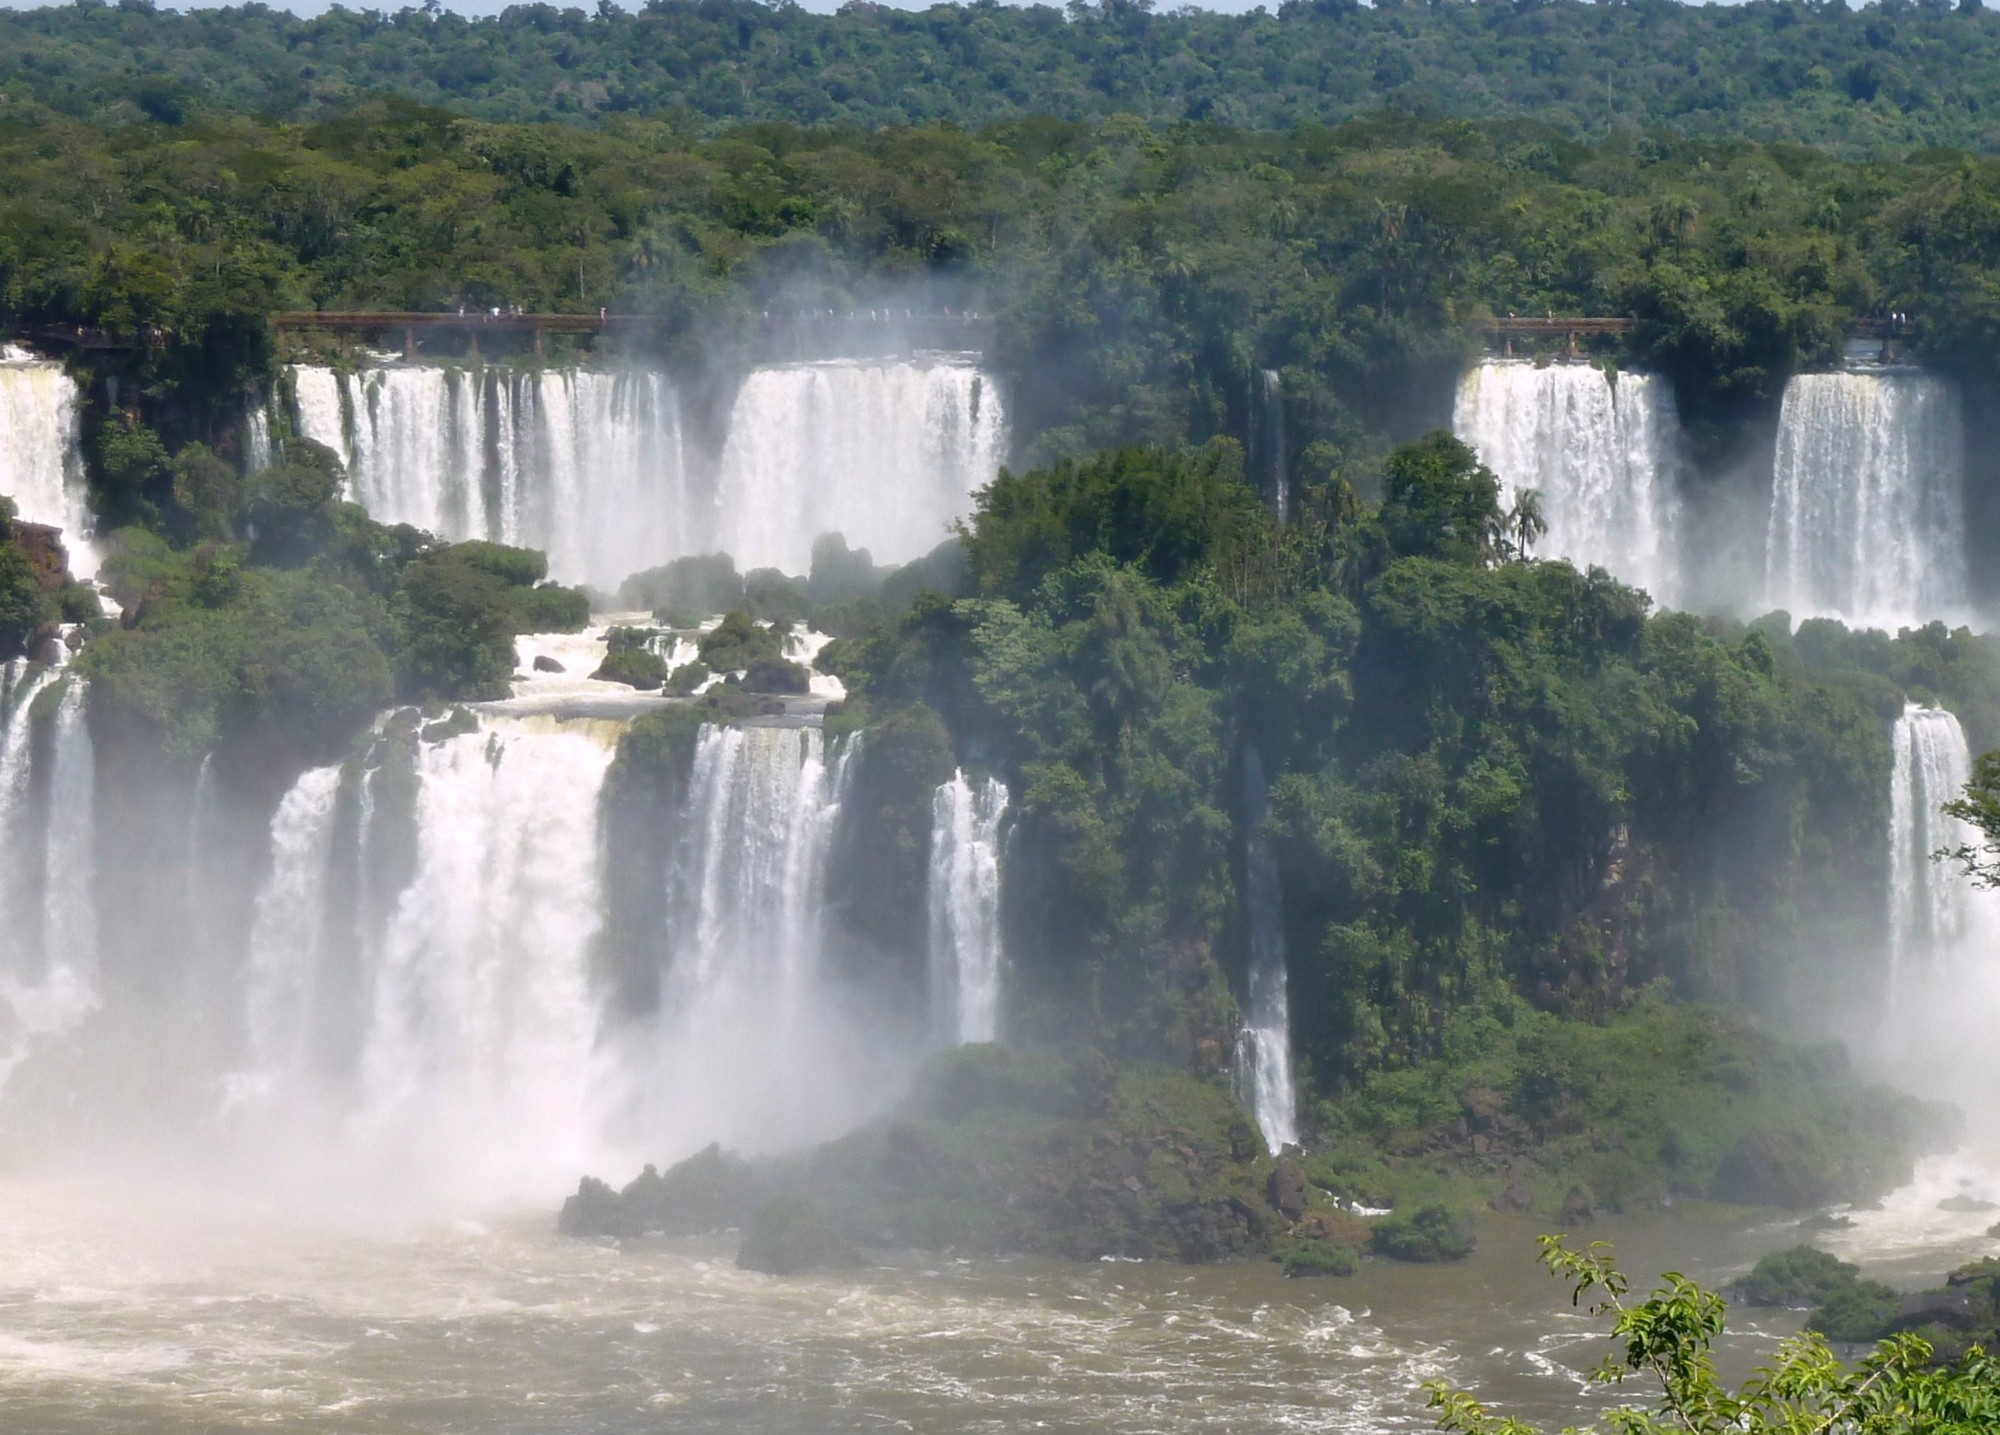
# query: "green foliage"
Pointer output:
{"type": "Point", "coordinates": [777, 675]}
{"type": "Point", "coordinates": [1310, 1258]}
{"type": "Point", "coordinates": [737, 642]}
{"type": "Point", "coordinates": [628, 660]}
{"type": "Point", "coordinates": [1800, 1278]}
{"type": "Point", "coordinates": [26, 604]}
{"type": "Point", "coordinates": [1670, 1338]}
{"type": "Point", "coordinates": [1854, 1311]}
{"type": "Point", "coordinates": [1876, 79]}
{"type": "Point", "coordinates": [1161, 513]}
{"type": "Point", "coordinates": [1979, 808]}
{"type": "Point", "coordinates": [284, 662]}
{"type": "Point", "coordinates": [1440, 501]}
{"type": "Point", "coordinates": [458, 609]}
{"type": "Point", "coordinates": [1428, 1234]}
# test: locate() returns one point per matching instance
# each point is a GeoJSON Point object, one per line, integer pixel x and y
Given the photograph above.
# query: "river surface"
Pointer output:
{"type": "Point", "coordinates": [146, 1304]}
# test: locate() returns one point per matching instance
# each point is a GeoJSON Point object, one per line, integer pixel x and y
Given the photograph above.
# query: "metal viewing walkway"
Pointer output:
{"type": "Point", "coordinates": [943, 330]}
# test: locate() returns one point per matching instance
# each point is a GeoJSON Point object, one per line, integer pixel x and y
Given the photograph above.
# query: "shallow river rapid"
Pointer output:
{"type": "Point", "coordinates": [141, 1305]}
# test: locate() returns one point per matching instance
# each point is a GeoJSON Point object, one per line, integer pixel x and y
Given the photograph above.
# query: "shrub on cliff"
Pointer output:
{"type": "Point", "coordinates": [26, 602]}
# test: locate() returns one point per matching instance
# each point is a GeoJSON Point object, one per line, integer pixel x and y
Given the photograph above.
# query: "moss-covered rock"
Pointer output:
{"type": "Point", "coordinates": [789, 1235]}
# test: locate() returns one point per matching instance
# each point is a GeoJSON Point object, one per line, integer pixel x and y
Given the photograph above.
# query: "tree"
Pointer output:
{"type": "Point", "coordinates": [1978, 806]}
{"type": "Point", "coordinates": [1440, 501]}
{"type": "Point", "coordinates": [1525, 522]}
{"type": "Point", "coordinates": [1805, 1390]}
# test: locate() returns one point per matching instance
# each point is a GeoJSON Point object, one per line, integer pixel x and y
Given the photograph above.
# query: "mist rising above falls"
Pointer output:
{"type": "Point", "coordinates": [1603, 453]}
{"type": "Point", "coordinates": [1867, 514]}
{"type": "Point", "coordinates": [41, 460]}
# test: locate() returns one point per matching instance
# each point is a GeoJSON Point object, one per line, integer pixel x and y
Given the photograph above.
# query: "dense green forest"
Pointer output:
{"type": "Point", "coordinates": [1141, 277]}
{"type": "Point", "coordinates": [1879, 80]}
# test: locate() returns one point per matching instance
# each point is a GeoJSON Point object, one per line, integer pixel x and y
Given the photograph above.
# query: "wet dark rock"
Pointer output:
{"type": "Point", "coordinates": [545, 664]}
{"type": "Point", "coordinates": [1577, 1209]}
{"type": "Point", "coordinates": [709, 1191]}
{"type": "Point", "coordinates": [1518, 1196]}
{"type": "Point", "coordinates": [1286, 1189]}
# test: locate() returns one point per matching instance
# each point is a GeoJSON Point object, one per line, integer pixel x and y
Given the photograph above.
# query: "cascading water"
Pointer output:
{"type": "Point", "coordinates": [456, 1035]}
{"type": "Point", "coordinates": [886, 454]}
{"type": "Point", "coordinates": [48, 938]}
{"type": "Point", "coordinates": [1604, 454]}
{"type": "Point", "coordinates": [1936, 917]}
{"type": "Point", "coordinates": [41, 460]}
{"type": "Point", "coordinates": [1867, 511]}
{"type": "Point", "coordinates": [1264, 1050]}
{"type": "Point", "coordinates": [471, 1002]}
{"type": "Point", "coordinates": [586, 466]}
{"type": "Point", "coordinates": [964, 909]}
{"type": "Point", "coordinates": [747, 1044]}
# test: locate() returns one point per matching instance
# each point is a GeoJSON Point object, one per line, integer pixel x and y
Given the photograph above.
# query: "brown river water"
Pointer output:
{"type": "Point", "coordinates": [147, 1305]}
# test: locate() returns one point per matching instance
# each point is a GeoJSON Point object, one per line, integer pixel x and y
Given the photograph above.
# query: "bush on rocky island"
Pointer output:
{"type": "Point", "coordinates": [692, 588]}
{"type": "Point", "coordinates": [1799, 1278]}
{"type": "Point", "coordinates": [777, 675]}
{"type": "Point", "coordinates": [1302, 1259]}
{"type": "Point", "coordinates": [1426, 1235]}
{"type": "Point", "coordinates": [737, 642]}
{"type": "Point", "coordinates": [628, 660]}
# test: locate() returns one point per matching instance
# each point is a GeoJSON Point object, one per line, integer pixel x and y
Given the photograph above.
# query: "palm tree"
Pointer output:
{"type": "Point", "coordinates": [1526, 523]}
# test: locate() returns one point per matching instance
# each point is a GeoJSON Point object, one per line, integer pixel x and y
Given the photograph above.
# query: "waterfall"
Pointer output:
{"type": "Point", "coordinates": [1264, 1050]}
{"type": "Point", "coordinates": [48, 940]}
{"type": "Point", "coordinates": [1935, 915]}
{"type": "Point", "coordinates": [747, 1045]}
{"type": "Point", "coordinates": [256, 439]}
{"type": "Point", "coordinates": [457, 1035]}
{"type": "Point", "coordinates": [1603, 452]}
{"type": "Point", "coordinates": [41, 461]}
{"type": "Point", "coordinates": [463, 1030]}
{"type": "Point", "coordinates": [1277, 457]}
{"type": "Point", "coordinates": [586, 466]}
{"type": "Point", "coordinates": [888, 454]}
{"type": "Point", "coordinates": [964, 904]}
{"type": "Point", "coordinates": [1867, 514]}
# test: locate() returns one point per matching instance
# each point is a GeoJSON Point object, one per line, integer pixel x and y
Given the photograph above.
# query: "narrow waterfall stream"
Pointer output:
{"type": "Point", "coordinates": [1264, 1050]}
{"type": "Point", "coordinates": [964, 909]}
